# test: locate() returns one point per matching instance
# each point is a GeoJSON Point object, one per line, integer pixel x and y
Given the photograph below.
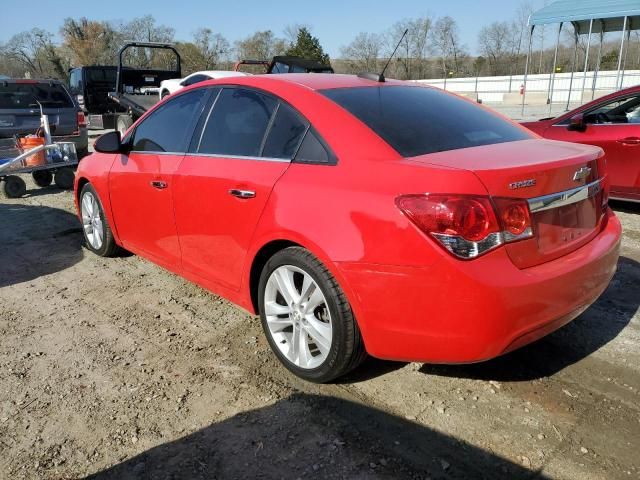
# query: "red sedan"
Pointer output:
{"type": "Point", "coordinates": [612, 123]}
{"type": "Point", "coordinates": [357, 216]}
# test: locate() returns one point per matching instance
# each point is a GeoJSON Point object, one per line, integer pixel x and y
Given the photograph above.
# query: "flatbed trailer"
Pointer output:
{"type": "Point", "coordinates": [136, 88]}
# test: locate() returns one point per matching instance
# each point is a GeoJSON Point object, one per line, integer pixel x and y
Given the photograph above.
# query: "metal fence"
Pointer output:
{"type": "Point", "coordinates": [493, 89]}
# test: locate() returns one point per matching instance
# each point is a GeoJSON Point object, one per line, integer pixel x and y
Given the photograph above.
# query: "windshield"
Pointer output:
{"type": "Point", "coordinates": [27, 95]}
{"type": "Point", "coordinates": [418, 120]}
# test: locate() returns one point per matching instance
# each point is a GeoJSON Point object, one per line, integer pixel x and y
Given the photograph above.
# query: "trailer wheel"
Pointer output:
{"type": "Point", "coordinates": [42, 178]}
{"type": "Point", "coordinates": [64, 178]}
{"type": "Point", "coordinates": [123, 122]}
{"type": "Point", "coordinates": [14, 187]}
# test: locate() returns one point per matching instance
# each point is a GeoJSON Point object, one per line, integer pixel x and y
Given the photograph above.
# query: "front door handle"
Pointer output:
{"type": "Point", "coordinates": [159, 184]}
{"type": "Point", "coordinates": [242, 193]}
{"type": "Point", "coordinates": [630, 141]}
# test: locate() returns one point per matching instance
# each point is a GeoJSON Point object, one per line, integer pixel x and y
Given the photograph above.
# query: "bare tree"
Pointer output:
{"type": "Point", "coordinates": [446, 44]}
{"type": "Point", "coordinates": [88, 42]}
{"type": "Point", "coordinates": [362, 54]}
{"type": "Point", "coordinates": [213, 47]}
{"type": "Point", "coordinates": [35, 52]}
{"type": "Point", "coordinates": [413, 52]}
{"type": "Point", "coordinates": [496, 43]}
{"type": "Point", "coordinates": [260, 46]}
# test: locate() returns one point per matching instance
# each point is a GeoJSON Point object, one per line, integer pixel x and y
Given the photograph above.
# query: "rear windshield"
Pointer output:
{"type": "Point", "coordinates": [418, 120]}
{"type": "Point", "coordinates": [100, 75]}
{"type": "Point", "coordinates": [27, 95]}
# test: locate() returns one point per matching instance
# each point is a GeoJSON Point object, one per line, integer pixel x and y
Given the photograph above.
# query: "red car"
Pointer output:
{"type": "Point", "coordinates": [357, 216]}
{"type": "Point", "coordinates": [612, 123]}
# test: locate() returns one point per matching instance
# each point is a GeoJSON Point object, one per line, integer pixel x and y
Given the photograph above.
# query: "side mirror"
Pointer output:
{"type": "Point", "coordinates": [109, 143]}
{"type": "Point", "coordinates": [577, 123]}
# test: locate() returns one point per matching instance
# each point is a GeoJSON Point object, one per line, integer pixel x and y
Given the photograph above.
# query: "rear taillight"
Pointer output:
{"type": "Point", "coordinates": [468, 226]}
{"type": "Point", "coordinates": [82, 120]}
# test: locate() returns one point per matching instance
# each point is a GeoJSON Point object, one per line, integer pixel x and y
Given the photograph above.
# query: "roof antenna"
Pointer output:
{"type": "Point", "coordinates": [379, 77]}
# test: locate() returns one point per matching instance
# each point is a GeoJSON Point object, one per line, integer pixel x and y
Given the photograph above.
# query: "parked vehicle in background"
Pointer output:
{"type": "Point", "coordinates": [286, 64]}
{"type": "Point", "coordinates": [302, 199]}
{"type": "Point", "coordinates": [20, 104]}
{"type": "Point", "coordinates": [612, 123]}
{"type": "Point", "coordinates": [167, 87]}
{"type": "Point", "coordinates": [136, 88]}
{"type": "Point", "coordinates": [91, 85]}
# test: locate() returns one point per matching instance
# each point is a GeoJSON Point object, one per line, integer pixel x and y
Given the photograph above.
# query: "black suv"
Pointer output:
{"type": "Point", "coordinates": [20, 102]}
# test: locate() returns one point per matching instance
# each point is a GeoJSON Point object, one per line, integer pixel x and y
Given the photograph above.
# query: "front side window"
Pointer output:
{"type": "Point", "coordinates": [167, 129]}
{"type": "Point", "coordinates": [620, 110]}
{"type": "Point", "coordinates": [237, 123]}
{"type": "Point", "coordinates": [419, 120]}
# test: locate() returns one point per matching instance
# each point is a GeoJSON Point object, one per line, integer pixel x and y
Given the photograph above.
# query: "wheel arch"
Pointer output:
{"type": "Point", "coordinates": [267, 247]}
{"type": "Point", "coordinates": [260, 259]}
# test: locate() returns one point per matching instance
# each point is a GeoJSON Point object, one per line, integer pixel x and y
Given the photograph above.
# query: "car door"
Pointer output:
{"type": "Point", "coordinates": [140, 182]}
{"type": "Point", "coordinates": [222, 186]}
{"type": "Point", "coordinates": [614, 126]}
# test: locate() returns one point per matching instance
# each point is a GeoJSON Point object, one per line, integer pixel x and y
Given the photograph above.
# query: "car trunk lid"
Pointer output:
{"type": "Point", "coordinates": [563, 183]}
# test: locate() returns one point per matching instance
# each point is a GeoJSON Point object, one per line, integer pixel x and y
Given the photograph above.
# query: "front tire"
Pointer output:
{"type": "Point", "coordinates": [95, 227]}
{"type": "Point", "coordinates": [307, 318]}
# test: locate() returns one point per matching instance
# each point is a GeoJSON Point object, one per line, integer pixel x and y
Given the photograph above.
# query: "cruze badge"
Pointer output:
{"type": "Point", "coordinates": [581, 174]}
{"type": "Point", "coordinates": [522, 184]}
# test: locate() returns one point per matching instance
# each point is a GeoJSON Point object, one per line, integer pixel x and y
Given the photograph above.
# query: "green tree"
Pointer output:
{"type": "Point", "coordinates": [308, 46]}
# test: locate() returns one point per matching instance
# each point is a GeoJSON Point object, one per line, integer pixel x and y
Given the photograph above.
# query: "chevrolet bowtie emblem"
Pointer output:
{"type": "Point", "coordinates": [581, 174]}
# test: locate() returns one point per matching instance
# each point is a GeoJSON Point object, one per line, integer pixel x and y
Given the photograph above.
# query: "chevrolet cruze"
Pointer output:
{"type": "Point", "coordinates": [358, 217]}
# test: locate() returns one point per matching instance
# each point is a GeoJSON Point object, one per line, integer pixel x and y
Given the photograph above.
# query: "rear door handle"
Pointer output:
{"type": "Point", "coordinates": [242, 193]}
{"type": "Point", "coordinates": [630, 141]}
{"type": "Point", "coordinates": [159, 184]}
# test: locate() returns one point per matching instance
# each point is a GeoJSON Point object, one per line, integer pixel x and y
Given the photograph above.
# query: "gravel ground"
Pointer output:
{"type": "Point", "coordinates": [116, 369]}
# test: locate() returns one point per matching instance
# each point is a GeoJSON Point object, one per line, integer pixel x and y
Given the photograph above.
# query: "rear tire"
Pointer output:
{"type": "Point", "coordinates": [97, 233]}
{"type": "Point", "coordinates": [165, 94]}
{"type": "Point", "coordinates": [42, 178]}
{"type": "Point", "coordinates": [13, 187]}
{"type": "Point", "coordinates": [123, 122]}
{"type": "Point", "coordinates": [329, 343]}
{"type": "Point", "coordinates": [64, 178]}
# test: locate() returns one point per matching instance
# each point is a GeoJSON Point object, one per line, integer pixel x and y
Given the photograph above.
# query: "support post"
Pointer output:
{"type": "Point", "coordinates": [526, 68]}
{"type": "Point", "coordinates": [576, 32]}
{"type": "Point", "coordinates": [586, 61]}
{"type": "Point", "coordinates": [553, 71]}
{"type": "Point", "coordinates": [624, 29]}
{"type": "Point", "coordinates": [595, 73]}
{"type": "Point", "coordinates": [626, 52]}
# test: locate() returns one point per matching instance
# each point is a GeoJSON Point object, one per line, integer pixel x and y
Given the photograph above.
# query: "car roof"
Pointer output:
{"type": "Point", "coordinates": [311, 81]}
{"type": "Point", "coordinates": [219, 73]}
{"type": "Point", "coordinates": [30, 80]}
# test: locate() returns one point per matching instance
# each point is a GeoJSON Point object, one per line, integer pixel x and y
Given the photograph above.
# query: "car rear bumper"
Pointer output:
{"type": "Point", "coordinates": [467, 311]}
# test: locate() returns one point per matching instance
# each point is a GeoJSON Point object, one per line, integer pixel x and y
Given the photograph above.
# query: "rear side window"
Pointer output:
{"type": "Point", "coordinates": [313, 150]}
{"type": "Point", "coordinates": [417, 120]}
{"type": "Point", "coordinates": [27, 95]}
{"type": "Point", "coordinates": [237, 123]}
{"type": "Point", "coordinates": [285, 135]}
{"type": "Point", "coordinates": [168, 128]}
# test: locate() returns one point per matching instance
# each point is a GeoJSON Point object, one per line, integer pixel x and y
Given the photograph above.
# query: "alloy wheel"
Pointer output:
{"type": "Point", "coordinates": [92, 221]}
{"type": "Point", "coordinates": [298, 316]}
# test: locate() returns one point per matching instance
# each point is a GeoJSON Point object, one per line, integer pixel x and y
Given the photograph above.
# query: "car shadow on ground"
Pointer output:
{"type": "Point", "coordinates": [596, 327]}
{"type": "Point", "coordinates": [36, 241]}
{"type": "Point", "coordinates": [314, 436]}
{"type": "Point", "coordinates": [41, 191]}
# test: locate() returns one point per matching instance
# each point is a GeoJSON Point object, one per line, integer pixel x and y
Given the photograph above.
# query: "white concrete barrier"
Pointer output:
{"type": "Point", "coordinates": [532, 98]}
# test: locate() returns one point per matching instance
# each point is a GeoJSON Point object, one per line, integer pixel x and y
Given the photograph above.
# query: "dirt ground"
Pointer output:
{"type": "Point", "coordinates": [117, 369]}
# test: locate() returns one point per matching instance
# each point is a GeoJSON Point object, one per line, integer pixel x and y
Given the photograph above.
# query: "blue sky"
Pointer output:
{"type": "Point", "coordinates": [335, 22]}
